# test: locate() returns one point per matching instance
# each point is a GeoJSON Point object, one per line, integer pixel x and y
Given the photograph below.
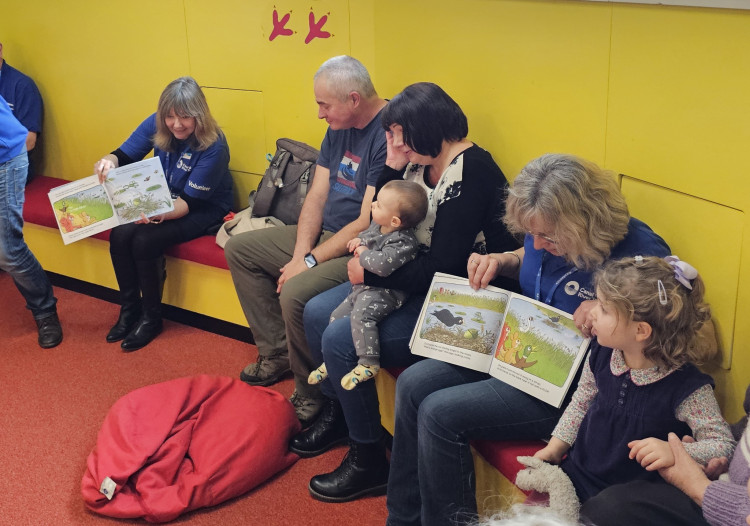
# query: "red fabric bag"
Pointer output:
{"type": "Point", "coordinates": [185, 444]}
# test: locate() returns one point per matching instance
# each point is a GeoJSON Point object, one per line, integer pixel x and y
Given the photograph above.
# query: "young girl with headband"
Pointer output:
{"type": "Point", "coordinates": [640, 381]}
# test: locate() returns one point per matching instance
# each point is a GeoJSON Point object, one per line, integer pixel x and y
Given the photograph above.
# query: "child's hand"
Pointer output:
{"type": "Point", "coordinates": [553, 452]}
{"type": "Point", "coordinates": [359, 250]}
{"type": "Point", "coordinates": [651, 453]}
{"type": "Point", "coordinates": [352, 245]}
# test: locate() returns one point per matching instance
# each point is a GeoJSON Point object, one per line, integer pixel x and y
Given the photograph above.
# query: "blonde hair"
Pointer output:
{"type": "Point", "coordinates": [632, 287]}
{"type": "Point", "coordinates": [185, 98]}
{"type": "Point", "coordinates": [411, 200]}
{"type": "Point", "coordinates": [580, 200]}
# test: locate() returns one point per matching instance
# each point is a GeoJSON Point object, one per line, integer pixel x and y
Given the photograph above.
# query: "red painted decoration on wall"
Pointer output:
{"type": "Point", "coordinates": [279, 28]}
{"type": "Point", "coordinates": [316, 28]}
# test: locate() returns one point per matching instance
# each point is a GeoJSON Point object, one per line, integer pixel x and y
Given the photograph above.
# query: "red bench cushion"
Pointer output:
{"type": "Point", "coordinates": [38, 210]}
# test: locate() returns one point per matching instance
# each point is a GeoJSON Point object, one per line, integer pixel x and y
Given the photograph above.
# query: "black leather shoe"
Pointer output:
{"type": "Point", "coordinates": [329, 430]}
{"type": "Point", "coordinates": [144, 333]}
{"type": "Point", "coordinates": [50, 331]}
{"type": "Point", "coordinates": [125, 323]}
{"type": "Point", "coordinates": [362, 473]}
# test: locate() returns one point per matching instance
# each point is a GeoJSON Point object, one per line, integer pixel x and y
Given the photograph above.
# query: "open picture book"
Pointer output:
{"type": "Point", "coordinates": [525, 343]}
{"type": "Point", "coordinates": [85, 207]}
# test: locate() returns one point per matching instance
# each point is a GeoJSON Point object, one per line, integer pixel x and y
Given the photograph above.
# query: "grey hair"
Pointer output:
{"type": "Point", "coordinates": [345, 74]}
{"type": "Point", "coordinates": [582, 202]}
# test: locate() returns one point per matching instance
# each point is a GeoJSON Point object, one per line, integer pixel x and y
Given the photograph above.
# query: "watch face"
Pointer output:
{"type": "Point", "coordinates": [310, 261]}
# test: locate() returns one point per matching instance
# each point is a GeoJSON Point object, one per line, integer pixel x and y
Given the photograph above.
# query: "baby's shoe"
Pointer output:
{"type": "Point", "coordinates": [318, 375]}
{"type": "Point", "coordinates": [359, 374]}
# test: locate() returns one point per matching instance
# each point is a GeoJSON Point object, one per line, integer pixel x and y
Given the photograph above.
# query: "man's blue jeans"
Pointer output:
{"type": "Point", "coordinates": [439, 408]}
{"type": "Point", "coordinates": [333, 343]}
{"type": "Point", "coordinates": [15, 257]}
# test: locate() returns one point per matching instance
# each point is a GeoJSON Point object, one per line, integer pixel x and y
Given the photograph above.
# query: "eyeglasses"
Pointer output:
{"type": "Point", "coordinates": [543, 237]}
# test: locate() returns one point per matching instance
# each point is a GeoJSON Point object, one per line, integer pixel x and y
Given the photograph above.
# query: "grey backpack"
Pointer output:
{"type": "Point", "coordinates": [284, 186]}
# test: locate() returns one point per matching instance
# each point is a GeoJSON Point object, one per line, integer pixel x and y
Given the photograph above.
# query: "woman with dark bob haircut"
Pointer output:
{"type": "Point", "coordinates": [426, 140]}
{"type": "Point", "coordinates": [194, 154]}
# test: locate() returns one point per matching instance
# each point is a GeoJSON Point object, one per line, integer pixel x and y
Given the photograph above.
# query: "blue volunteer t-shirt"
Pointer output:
{"type": "Point", "coordinates": [562, 285]}
{"type": "Point", "coordinates": [12, 134]}
{"type": "Point", "coordinates": [202, 175]}
{"type": "Point", "coordinates": [355, 159]}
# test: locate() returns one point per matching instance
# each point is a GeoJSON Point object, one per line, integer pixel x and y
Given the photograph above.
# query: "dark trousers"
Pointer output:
{"type": "Point", "coordinates": [644, 504]}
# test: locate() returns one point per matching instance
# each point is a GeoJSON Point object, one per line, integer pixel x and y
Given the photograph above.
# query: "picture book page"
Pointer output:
{"type": "Point", "coordinates": [82, 208]}
{"type": "Point", "coordinates": [459, 325]}
{"type": "Point", "coordinates": [139, 188]}
{"type": "Point", "coordinates": [539, 350]}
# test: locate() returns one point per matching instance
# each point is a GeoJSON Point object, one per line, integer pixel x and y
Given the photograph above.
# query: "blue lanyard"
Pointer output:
{"type": "Point", "coordinates": [538, 291]}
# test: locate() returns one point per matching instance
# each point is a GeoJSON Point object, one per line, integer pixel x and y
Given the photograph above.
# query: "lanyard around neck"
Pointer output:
{"type": "Point", "coordinates": [538, 291]}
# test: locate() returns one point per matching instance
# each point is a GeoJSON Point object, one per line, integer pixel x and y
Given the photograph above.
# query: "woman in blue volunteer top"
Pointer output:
{"type": "Point", "coordinates": [195, 157]}
{"type": "Point", "coordinates": [573, 218]}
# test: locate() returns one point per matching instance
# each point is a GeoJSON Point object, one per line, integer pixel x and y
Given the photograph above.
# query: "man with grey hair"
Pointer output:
{"type": "Point", "coordinates": [277, 270]}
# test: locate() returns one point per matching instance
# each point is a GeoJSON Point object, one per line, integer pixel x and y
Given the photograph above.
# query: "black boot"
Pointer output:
{"type": "Point", "coordinates": [363, 472]}
{"type": "Point", "coordinates": [328, 430]}
{"type": "Point", "coordinates": [130, 298]}
{"type": "Point", "coordinates": [151, 276]}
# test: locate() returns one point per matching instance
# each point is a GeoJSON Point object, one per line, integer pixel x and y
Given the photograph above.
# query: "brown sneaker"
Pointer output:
{"type": "Point", "coordinates": [267, 370]}
{"type": "Point", "coordinates": [307, 408]}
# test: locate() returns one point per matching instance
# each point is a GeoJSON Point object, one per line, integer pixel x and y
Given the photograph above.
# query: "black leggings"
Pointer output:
{"type": "Point", "coordinates": [642, 503]}
{"type": "Point", "coordinates": [148, 241]}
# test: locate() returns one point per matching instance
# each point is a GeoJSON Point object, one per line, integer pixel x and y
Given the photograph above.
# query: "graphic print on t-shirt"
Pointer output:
{"type": "Point", "coordinates": [347, 171]}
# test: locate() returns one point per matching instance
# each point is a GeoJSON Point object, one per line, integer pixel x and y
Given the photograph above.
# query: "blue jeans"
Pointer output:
{"type": "Point", "coordinates": [15, 257]}
{"type": "Point", "coordinates": [439, 408]}
{"type": "Point", "coordinates": [332, 343]}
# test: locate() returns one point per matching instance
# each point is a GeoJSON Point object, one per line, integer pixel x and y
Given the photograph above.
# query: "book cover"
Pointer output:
{"type": "Point", "coordinates": [85, 207]}
{"type": "Point", "coordinates": [523, 342]}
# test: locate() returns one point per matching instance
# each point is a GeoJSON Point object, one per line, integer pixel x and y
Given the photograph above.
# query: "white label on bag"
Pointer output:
{"type": "Point", "coordinates": [108, 488]}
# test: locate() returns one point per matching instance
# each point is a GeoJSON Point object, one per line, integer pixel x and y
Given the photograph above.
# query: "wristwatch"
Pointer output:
{"type": "Point", "coordinates": [310, 260]}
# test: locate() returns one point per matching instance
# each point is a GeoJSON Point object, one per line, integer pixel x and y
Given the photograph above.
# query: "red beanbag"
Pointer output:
{"type": "Point", "coordinates": [184, 444]}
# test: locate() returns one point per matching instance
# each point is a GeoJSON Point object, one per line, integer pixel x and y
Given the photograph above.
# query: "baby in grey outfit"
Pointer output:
{"type": "Point", "coordinates": [387, 244]}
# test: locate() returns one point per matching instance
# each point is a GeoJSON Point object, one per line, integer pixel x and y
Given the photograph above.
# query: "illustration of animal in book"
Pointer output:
{"type": "Point", "coordinates": [82, 209]}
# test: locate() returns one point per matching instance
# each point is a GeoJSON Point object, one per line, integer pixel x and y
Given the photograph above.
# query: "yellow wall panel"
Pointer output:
{"type": "Point", "coordinates": [678, 112]}
{"type": "Point", "coordinates": [531, 76]}
{"type": "Point", "coordinates": [690, 225]}
{"type": "Point", "coordinates": [100, 67]}
{"type": "Point", "coordinates": [241, 56]}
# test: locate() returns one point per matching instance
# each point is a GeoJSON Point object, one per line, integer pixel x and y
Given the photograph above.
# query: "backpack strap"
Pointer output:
{"type": "Point", "coordinates": [271, 182]}
{"type": "Point", "coordinates": [304, 180]}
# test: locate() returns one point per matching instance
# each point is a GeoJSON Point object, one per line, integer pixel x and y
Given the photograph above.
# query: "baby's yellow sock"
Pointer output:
{"type": "Point", "coordinates": [318, 375]}
{"type": "Point", "coordinates": [359, 374]}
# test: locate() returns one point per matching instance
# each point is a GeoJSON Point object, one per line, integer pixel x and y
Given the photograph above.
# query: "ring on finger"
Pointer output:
{"type": "Point", "coordinates": [584, 326]}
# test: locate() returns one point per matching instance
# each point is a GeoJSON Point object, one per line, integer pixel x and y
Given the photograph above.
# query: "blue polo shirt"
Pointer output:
{"type": "Point", "coordinates": [202, 175]}
{"type": "Point", "coordinates": [23, 97]}
{"type": "Point", "coordinates": [564, 286]}
{"type": "Point", "coordinates": [12, 134]}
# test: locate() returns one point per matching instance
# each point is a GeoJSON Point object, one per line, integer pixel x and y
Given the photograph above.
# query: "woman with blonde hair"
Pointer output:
{"type": "Point", "coordinates": [573, 218]}
{"type": "Point", "coordinates": [195, 157]}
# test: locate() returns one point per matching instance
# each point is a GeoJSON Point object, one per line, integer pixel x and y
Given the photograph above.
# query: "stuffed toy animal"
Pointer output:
{"type": "Point", "coordinates": [547, 478]}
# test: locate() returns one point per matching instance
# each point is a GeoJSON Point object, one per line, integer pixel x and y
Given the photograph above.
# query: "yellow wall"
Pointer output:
{"type": "Point", "coordinates": [656, 93]}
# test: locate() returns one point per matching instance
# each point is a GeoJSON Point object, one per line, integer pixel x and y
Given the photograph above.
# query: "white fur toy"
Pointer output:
{"type": "Point", "coordinates": [547, 478]}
